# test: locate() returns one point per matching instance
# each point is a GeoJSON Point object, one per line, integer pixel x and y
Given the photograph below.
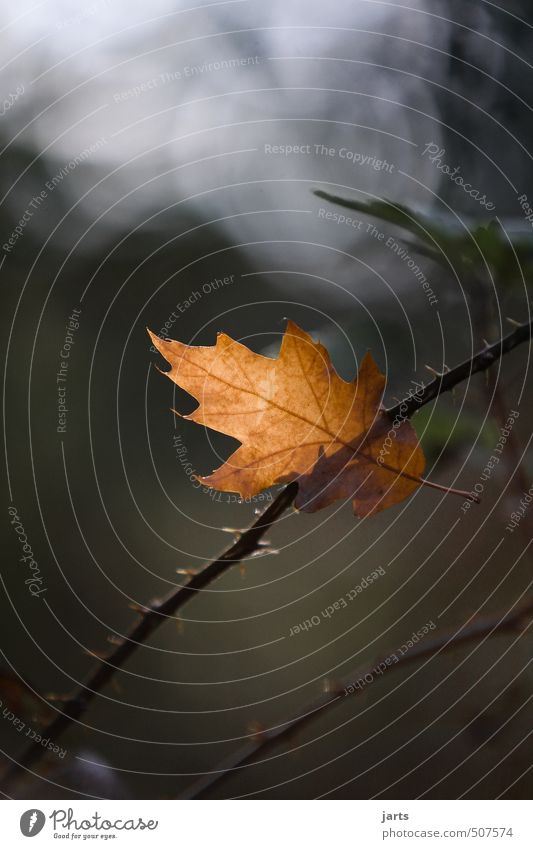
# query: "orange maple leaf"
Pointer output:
{"type": "Point", "coordinates": [297, 419]}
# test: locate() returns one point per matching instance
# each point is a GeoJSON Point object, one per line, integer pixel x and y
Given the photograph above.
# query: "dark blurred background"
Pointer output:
{"type": "Point", "coordinates": [170, 148]}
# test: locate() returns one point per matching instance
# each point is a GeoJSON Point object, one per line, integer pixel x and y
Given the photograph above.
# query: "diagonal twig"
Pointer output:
{"type": "Point", "coordinates": [263, 742]}
{"type": "Point", "coordinates": [154, 615]}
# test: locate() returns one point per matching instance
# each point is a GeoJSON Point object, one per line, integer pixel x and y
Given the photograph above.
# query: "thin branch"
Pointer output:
{"type": "Point", "coordinates": [263, 742]}
{"type": "Point", "coordinates": [446, 381]}
{"type": "Point", "coordinates": [151, 618]}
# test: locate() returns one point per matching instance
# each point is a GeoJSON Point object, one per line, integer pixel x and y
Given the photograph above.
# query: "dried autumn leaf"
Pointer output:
{"type": "Point", "coordinates": [297, 419]}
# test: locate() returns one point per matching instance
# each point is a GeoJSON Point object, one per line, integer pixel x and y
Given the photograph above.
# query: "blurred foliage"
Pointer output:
{"type": "Point", "coordinates": [509, 259]}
